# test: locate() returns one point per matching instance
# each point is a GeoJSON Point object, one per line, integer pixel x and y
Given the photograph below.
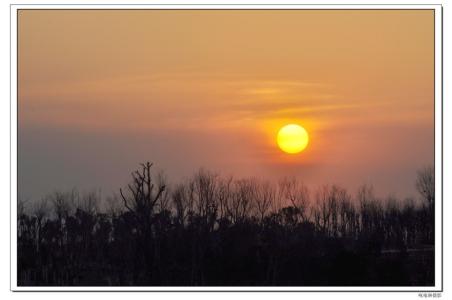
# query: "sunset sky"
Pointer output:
{"type": "Point", "coordinates": [101, 91]}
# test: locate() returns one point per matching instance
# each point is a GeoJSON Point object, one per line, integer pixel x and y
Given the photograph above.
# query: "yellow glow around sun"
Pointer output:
{"type": "Point", "coordinates": [292, 138]}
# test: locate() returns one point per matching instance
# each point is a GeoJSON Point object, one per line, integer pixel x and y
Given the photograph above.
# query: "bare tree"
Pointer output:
{"type": "Point", "coordinates": [322, 213]}
{"type": "Point", "coordinates": [181, 201]}
{"type": "Point", "coordinates": [372, 213]}
{"type": "Point", "coordinates": [141, 201]}
{"type": "Point", "coordinates": [164, 200]}
{"type": "Point", "coordinates": [392, 217]}
{"type": "Point", "coordinates": [242, 200]}
{"type": "Point", "coordinates": [333, 202]}
{"type": "Point", "coordinates": [205, 190]}
{"type": "Point", "coordinates": [21, 204]}
{"type": "Point", "coordinates": [21, 216]}
{"type": "Point", "coordinates": [224, 193]}
{"type": "Point", "coordinates": [296, 193]}
{"type": "Point", "coordinates": [365, 197]}
{"type": "Point", "coordinates": [425, 184]}
{"type": "Point", "coordinates": [266, 194]}
{"type": "Point", "coordinates": [113, 205]}
{"type": "Point", "coordinates": [90, 202]}
{"type": "Point", "coordinates": [347, 214]}
{"type": "Point", "coordinates": [41, 211]}
{"type": "Point", "coordinates": [63, 203]}
{"type": "Point", "coordinates": [142, 197]}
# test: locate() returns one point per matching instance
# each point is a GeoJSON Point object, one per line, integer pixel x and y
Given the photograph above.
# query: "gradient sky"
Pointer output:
{"type": "Point", "coordinates": [101, 91]}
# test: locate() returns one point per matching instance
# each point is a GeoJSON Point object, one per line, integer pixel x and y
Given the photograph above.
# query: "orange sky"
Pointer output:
{"type": "Point", "coordinates": [100, 91]}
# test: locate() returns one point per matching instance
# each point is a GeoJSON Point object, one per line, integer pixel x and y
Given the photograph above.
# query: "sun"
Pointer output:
{"type": "Point", "coordinates": [292, 138]}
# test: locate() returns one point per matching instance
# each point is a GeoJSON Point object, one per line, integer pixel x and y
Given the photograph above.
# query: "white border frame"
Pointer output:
{"type": "Point", "coordinates": [438, 145]}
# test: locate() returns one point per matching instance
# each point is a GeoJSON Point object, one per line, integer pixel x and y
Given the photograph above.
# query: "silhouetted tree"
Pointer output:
{"type": "Point", "coordinates": [425, 185]}
{"type": "Point", "coordinates": [213, 231]}
{"type": "Point", "coordinates": [266, 194]}
{"type": "Point", "coordinates": [295, 193]}
{"type": "Point", "coordinates": [141, 203]}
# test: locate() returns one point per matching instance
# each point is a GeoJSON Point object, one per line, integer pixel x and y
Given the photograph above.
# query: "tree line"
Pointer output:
{"type": "Point", "coordinates": [212, 230]}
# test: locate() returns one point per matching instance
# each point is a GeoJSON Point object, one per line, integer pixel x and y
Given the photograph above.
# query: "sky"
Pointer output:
{"type": "Point", "coordinates": [101, 91]}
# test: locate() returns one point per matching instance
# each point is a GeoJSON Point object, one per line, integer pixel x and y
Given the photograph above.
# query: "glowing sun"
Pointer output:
{"type": "Point", "coordinates": [292, 138]}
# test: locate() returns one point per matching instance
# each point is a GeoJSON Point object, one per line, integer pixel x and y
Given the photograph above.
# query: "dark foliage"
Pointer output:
{"type": "Point", "coordinates": [213, 231]}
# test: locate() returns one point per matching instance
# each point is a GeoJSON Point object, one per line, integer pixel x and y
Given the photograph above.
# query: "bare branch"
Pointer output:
{"type": "Point", "coordinates": [125, 201]}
